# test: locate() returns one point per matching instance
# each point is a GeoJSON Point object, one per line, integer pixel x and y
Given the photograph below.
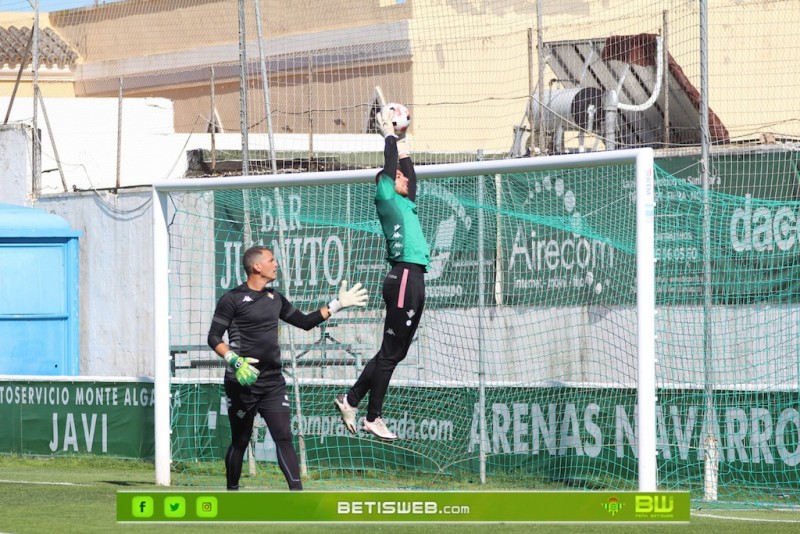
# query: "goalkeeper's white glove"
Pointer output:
{"type": "Point", "coordinates": [384, 120]}
{"type": "Point", "coordinates": [246, 374]}
{"type": "Point", "coordinates": [404, 147]}
{"type": "Point", "coordinates": [355, 296]}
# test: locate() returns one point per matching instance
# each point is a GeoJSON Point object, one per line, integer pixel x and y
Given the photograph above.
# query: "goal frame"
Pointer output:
{"type": "Point", "coordinates": [643, 161]}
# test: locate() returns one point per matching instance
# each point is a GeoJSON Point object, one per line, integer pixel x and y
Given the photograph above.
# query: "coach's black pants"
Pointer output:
{"type": "Point", "coordinates": [404, 295]}
{"type": "Point", "coordinates": [268, 398]}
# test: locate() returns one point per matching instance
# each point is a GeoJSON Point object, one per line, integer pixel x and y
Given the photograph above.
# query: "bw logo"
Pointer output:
{"type": "Point", "coordinates": [658, 504]}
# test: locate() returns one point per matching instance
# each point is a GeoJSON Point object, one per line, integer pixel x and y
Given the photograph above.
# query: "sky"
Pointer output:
{"type": "Point", "coordinates": [45, 5]}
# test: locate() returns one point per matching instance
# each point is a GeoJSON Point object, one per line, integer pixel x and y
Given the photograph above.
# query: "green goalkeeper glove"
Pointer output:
{"type": "Point", "coordinates": [246, 374]}
{"type": "Point", "coordinates": [355, 296]}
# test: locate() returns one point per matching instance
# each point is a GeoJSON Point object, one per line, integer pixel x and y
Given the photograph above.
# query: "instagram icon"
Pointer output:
{"type": "Point", "coordinates": [206, 506]}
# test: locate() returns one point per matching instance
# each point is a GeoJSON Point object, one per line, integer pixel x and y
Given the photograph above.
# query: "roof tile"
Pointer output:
{"type": "Point", "coordinates": [53, 51]}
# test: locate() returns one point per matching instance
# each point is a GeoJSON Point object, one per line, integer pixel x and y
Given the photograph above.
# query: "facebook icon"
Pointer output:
{"type": "Point", "coordinates": [142, 507]}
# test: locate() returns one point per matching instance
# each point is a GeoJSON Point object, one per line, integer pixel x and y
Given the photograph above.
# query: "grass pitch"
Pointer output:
{"type": "Point", "coordinates": [78, 495]}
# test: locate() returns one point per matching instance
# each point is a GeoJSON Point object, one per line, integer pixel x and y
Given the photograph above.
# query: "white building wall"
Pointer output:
{"type": "Point", "coordinates": [83, 133]}
{"type": "Point", "coordinates": [85, 136]}
{"type": "Point", "coordinates": [116, 279]}
{"type": "Point", "coordinates": [14, 165]}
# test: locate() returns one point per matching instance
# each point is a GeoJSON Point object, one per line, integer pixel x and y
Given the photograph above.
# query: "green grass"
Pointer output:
{"type": "Point", "coordinates": [33, 502]}
{"type": "Point", "coordinates": [325, 477]}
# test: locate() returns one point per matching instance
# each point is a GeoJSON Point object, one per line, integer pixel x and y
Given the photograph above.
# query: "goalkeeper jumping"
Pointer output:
{"type": "Point", "coordinates": [404, 286]}
{"type": "Point", "coordinates": [253, 381]}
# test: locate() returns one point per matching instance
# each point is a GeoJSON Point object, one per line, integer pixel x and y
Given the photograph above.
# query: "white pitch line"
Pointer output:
{"type": "Point", "coordinates": [42, 483]}
{"type": "Point", "coordinates": [714, 516]}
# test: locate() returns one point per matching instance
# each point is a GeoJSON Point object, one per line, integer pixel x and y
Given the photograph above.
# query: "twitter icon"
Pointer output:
{"type": "Point", "coordinates": [174, 507]}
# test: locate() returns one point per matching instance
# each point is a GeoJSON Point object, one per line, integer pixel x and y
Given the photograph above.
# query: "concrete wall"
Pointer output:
{"type": "Point", "coordinates": [15, 175]}
{"type": "Point", "coordinates": [753, 346]}
{"type": "Point", "coordinates": [104, 33]}
{"type": "Point", "coordinates": [116, 279]}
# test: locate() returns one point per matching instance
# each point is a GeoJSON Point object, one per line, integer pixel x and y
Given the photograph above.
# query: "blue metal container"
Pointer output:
{"type": "Point", "coordinates": [39, 308]}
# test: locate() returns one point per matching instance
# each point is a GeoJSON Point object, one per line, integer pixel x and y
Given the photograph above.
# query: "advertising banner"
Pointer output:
{"type": "Point", "coordinates": [559, 433]}
{"type": "Point", "coordinates": [323, 235]}
{"type": "Point", "coordinates": [553, 432]}
{"type": "Point", "coordinates": [547, 238]}
{"type": "Point", "coordinates": [47, 417]}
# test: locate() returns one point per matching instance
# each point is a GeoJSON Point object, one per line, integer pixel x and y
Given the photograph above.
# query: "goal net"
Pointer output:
{"type": "Point", "coordinates": [525, 368]}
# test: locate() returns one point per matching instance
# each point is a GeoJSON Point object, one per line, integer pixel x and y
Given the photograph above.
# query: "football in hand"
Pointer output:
{"type": "Point", "coordinates": [401, 118]}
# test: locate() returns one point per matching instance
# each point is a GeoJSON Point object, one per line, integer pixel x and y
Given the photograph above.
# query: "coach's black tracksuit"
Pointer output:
{"type": "Point", "coordinates": [251, 319]}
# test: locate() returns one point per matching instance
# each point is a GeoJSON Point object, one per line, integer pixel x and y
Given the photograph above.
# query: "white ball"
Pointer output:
{"type": "Point", "coordinates": [598, 288]}
{"type": "Point", "coordinates": [402, 118]}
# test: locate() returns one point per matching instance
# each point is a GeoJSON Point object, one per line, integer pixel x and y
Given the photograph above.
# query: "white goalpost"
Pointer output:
{"type": "Point", "coordinates": [639, 167]}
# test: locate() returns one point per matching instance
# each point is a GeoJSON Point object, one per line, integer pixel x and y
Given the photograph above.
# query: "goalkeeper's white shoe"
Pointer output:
{"type": "Point", "coordinates": [348, 412]}
{"type": "Point", "coordinates": [378, 428]}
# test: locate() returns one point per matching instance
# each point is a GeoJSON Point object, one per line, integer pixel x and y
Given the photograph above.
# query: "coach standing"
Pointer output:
{"type": "Point", "coordinates": [253, 381]}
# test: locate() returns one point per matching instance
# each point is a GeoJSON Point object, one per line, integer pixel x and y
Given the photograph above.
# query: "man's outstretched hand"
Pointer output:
{"type": "Point", "coordinates": [355, 296]}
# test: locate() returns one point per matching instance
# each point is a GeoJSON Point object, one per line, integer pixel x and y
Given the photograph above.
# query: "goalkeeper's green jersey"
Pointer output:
{"type": "Point", "coordinates": [405, 241]}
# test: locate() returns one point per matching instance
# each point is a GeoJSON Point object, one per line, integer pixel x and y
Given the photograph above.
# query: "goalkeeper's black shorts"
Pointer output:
{"type": "Point", "coordinates": [266, 395]}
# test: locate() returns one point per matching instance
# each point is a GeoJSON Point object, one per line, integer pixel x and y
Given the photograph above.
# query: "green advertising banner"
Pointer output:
{"type": "Point", "coordinates": [49, 417]}
{"type": "Point", "coordinates": [554, 238]}
{"type": "Point", "coordinates": [403, 507]}
{"type": "Point", "coordinates": [753, 214]}
{"type": "Point", "coordinates": [571, 239]}
{"type": "Point", "coordinates": [323, 235]}
{"type": "Point", "coordinates": [559, 433]}
{"type": "Point", "coordinates": [553, 432]}
{"type": "Point", "coordinates": [768, 173]}
{"type": "Point", "coordinates": [316, 249]}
